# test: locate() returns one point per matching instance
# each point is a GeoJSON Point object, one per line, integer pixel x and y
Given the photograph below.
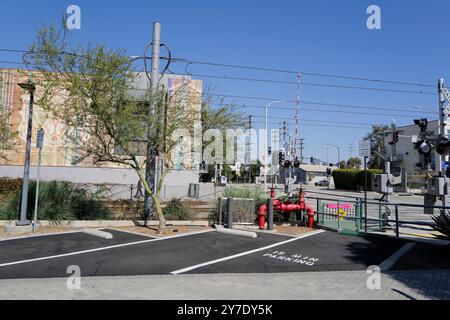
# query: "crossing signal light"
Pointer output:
{"type": "Point", "coordinates": [296, 163]}
{"type": "Point", "coordinates": [424, 147]}
{"type": "Point", "coordinates": [443, 146]}
{"type": "Point", "coordinates": [281, 158]}
{"type": "Point", "coordinates": [287, 164]}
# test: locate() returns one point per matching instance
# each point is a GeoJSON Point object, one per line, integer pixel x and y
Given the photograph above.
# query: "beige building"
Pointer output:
{"type": "Point", "coordinates": [57, 151]}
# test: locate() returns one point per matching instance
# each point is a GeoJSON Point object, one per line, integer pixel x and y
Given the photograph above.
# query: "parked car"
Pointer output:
{"type": "Point", "coordinates": [322, 183]}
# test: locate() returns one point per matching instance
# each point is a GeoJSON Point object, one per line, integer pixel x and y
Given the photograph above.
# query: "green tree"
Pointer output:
{"type": "Point", "coordinates": [6, 135]}
{"type": "Point", "coordinates": [89, 88]}
{"type": "Point", "coordinates": [376, 138]}
{"type": "Point", "coordinates": [354, 163]}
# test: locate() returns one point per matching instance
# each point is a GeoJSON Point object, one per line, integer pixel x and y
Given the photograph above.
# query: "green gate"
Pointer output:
{"type": "Point", "coordinates": [341, 215]}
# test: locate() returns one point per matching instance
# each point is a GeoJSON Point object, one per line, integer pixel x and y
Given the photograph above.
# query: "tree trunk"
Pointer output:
{"type": "Point", "coordinates": [159, 213]}
{"type": "Point", "coordinates": [155, 198]}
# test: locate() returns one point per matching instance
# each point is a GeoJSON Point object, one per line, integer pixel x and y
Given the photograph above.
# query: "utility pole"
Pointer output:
{"type": "Point", "coordinates": [301, 147]}
{"type": "Point", "coordinates": [284, 136]}
{"type": "Point", "coordinates": [351, 148]}
{"type": "Point", "coordinates": [441, 117]}
{"type": "Point", "coordinates": [284, 147]}
{"type": "Point", "coordinates": [250, 149]}
{"type": "Point", "coordinates": [296, 116]}
{"type": "Point", "coordinates": [30, 87]}
{"type": "Point", "coordinates": [152, 165]}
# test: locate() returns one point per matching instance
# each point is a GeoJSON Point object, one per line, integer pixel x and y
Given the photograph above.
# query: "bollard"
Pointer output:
{"type": "Point", "coordinates": [229, 212]}
{"type": "Point", "coordinates": [397, 232]}
{"type": "Point", "coordinates": [270, 214]}
{"type": "Point", "coordinates": [220, 212]}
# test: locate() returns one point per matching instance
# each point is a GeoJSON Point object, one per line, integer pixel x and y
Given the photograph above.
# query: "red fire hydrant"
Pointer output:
{"type": "Point", "coordinates": [310, 212]}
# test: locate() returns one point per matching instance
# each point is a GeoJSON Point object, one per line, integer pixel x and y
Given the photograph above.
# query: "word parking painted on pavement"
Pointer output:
{"type": "Point", "coordinates": [293, 258]}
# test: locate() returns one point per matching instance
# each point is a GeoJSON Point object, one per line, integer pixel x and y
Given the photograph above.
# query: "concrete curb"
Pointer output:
{"type": "Point", "coordinates": [389, 262]}
{"type": "Point", "coordinates": [111, 223]}
{"type": "Point", "coordinates": [236, 232]}
{"type": "Point", "coordinates": [98, 233]}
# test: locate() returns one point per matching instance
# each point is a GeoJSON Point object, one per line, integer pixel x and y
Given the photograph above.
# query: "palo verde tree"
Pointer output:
{"type": "Point", "coordinates": [88, 88]}
{"type": "Point", "coordinates": [6, 135]}
{"type": "Point", "coordinates": [376, 138]}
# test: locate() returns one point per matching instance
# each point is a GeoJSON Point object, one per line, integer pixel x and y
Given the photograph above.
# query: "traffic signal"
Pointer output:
{"type": "Point", "coordinates": [281, 158]}
{"type": "Point", "coordinates": [394, 138]}
{"type": "Point", "coordinates": [422, 123]}
{"type": "Point", "coordinates": [312, 160]}
{"type": "Point", "coordinates": [296, 163]}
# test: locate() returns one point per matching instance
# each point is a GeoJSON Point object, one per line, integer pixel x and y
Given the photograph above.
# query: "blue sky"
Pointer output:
{"type": "Point", "coordinates": [328, 37]}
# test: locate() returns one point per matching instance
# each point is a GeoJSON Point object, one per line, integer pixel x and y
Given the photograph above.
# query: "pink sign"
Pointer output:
{"type": "Point", "coordinates": [341, 206]}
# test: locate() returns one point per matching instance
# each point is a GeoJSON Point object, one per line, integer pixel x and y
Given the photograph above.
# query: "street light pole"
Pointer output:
{"type": "Point", "coordinates": [265, 144]}
{"type": "Point", "coordinates": [30, 87]}
{"type": "Point", "coordinates": [338, 151]}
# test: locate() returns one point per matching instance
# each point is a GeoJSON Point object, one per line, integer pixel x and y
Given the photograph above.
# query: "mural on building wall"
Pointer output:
{"type": "Point", "coordinates": [58, 149]}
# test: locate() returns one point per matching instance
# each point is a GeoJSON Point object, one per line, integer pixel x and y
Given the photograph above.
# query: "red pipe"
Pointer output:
{"type": "Point", "coordinates": [286, 207]}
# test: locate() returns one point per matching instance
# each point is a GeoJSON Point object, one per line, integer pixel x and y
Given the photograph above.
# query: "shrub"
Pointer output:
{"type": "Point", "coordinates": [257, 194]}
{"type": "Point", "coordinates": [176, 210]}
{"type": "Point", "coordinates": [443, 224]}
{"type": "Point", "coordinates": [8, 186]}
{"type": "Point", "coordinates": [345, 179]}
{"type": "Point", "coordinates": [58, 200]}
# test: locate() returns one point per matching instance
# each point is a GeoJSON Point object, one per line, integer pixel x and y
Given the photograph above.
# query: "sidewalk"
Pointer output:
{"type": "Point", "coordinates": [344, 285]}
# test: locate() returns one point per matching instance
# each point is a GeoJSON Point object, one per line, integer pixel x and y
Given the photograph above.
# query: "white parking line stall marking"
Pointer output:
{"type": "Point", "coordinates": [245, 253]}
{"type": "Point", "coordinates": [99, 249]}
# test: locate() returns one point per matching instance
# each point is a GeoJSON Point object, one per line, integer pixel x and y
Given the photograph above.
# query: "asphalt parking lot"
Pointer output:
{"type": "Point", "coordinates": [203, 252]}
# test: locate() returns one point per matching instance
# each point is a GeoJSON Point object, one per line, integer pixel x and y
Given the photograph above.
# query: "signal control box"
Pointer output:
{"type": "Point", "coordinates": [382, 184]}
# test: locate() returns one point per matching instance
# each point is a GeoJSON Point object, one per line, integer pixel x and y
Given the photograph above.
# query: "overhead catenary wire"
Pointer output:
{"type": "Point", "coordinates": [267, 69]}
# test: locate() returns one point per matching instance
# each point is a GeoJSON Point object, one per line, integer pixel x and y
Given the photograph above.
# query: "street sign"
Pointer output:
{"type": "Point", "coordinates": [364, 148]}
{"type": "Point", "coordinates": [40, 138]}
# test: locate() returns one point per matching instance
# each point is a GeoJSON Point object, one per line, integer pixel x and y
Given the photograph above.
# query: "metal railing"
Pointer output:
{"type": "Point", "coordinates": [360, 217]}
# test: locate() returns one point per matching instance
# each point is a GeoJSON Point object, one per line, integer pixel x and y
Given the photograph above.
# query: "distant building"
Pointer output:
{"type": "Point", "coordinates": [408, 157]}
{"type": "Point", "coordinates": [311, 173]}
{"type": "Point", "coordinates": [59, 152]}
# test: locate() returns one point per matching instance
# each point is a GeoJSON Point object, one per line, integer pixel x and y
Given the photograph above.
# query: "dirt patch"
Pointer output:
{"type": "Point", "coordinates": [425, 256]}
{"type": "Point", "coordinates": [170, 230]}
{"type": "Point", "coordinates": [40, 231]}
{"type": "Point", "coordinates": [289, 229]}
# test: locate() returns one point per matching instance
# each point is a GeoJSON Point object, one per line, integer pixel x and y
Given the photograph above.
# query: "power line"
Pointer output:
{"type": "Point", "coordinates": [337, 111]}
{"type": "Point", "coordinates": [318, 125]}
{"type": "Point", "coordinates": [267, 69]}
{"type": "Point", "coordinates": [301, 72]}
{"type": "Point", "coordinates": [225, 77]}
{"type": "Point", "coordinates": [340, 106]}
